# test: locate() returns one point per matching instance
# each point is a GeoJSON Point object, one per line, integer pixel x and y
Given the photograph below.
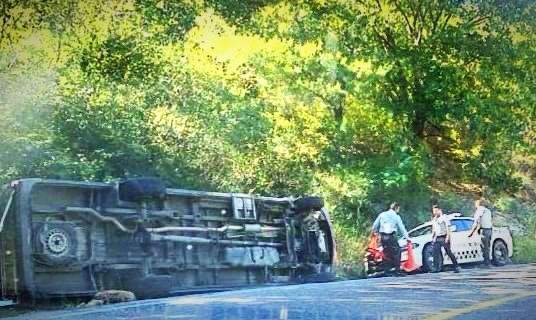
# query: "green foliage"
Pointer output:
{"type": "Point", "coordinates": [524, 250]}
{"type": "Point", "coordinates": [167, 20]}
{"type": "Point", "coordinates": [351, 246]}
{"type": "Point", "coordinates": [362, 102]}
{"type": "Point", "coordinates": [522, 211]}
{"type": "Point", "coordinates": [453, 202]}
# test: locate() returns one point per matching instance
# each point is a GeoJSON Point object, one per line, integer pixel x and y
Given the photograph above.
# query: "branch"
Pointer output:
{"type": "Point", "coordinates": [409, 27]}
{"type": "Point", "coordinates": [435, 21]}
{"type": "Point", "coordinates": [386, 43]}
{"type": "Point", "coordinates": [419, 36]}
{"type": "Point", "coordinates": [379, 5]}
{"type": "Point", "coordinates": [438, 133]}
{"type": "Point", "coordinates": [422, 20]}
{"type": "Point", "coordinates": [58, 48]}
{"type": "Point", "coordinates": [446, 22]}
{"type": "Point", "coordinates": [477, 20]}
{"type": "Point", "coordinates": [414, 10]}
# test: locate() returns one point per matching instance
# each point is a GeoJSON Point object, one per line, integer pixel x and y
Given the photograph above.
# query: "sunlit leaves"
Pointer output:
{"type": "Point", "coordinates": [359, 101]}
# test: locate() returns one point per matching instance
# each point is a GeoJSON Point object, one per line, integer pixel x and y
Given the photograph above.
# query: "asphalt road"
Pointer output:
{"type": "Point", "coordinates": [498, 293]}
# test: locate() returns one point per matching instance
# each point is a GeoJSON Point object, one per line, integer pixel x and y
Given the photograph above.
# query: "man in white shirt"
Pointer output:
{"type": "Point", "coordinates": [388, 224]}
{"type": "Point", "coordinates": [482, 222]}
{"type": "Point", "coordinates": [441, 236]}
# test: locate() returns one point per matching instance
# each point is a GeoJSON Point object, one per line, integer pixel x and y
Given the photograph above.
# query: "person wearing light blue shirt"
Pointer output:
{"type": "Point", "coordinates": [388, 224]}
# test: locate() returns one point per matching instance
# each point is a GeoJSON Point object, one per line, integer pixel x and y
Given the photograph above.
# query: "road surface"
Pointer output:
{"type": "Point", "coordinates": [498, 293]}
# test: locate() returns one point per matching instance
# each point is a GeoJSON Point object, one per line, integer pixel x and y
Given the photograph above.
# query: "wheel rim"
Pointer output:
{"type": "Point", "coordinates": [57, 242]}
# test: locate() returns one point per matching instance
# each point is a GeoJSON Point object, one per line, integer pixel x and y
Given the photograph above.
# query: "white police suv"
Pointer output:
{"type": "Point", "coordinates": [466, 249]}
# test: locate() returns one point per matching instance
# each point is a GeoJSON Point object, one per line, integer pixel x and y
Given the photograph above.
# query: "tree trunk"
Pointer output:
{"type": "Point", "coordinates": [418, 123]}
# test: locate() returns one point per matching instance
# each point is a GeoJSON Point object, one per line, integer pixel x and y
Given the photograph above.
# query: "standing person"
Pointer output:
{"type": "Point", "coordinates": [482, 222]}
{"type": "Point", "coordinates": [387, 224]}
{"type": "Point", "coordinates": [441, 236]}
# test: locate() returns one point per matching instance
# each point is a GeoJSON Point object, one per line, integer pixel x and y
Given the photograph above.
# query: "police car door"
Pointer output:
{"type": "Point", "coordinates": [465, 249]}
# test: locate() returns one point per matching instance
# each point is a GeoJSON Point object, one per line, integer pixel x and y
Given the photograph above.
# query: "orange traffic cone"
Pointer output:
{"type": "Point", "coordinates": [409, 265]}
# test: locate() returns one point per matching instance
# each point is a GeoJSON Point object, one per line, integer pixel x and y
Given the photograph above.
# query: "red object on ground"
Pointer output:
{"type": "Point", "coordinates": [373, 242]}
{"type": "Point", "coordinates": [409, 265]}
{"type": "Point", "coordinates": [374, 248]}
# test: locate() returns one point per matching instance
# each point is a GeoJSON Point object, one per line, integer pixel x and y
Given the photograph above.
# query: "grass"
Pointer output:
{"type": "Point", "coordinates": [351, 247]}
{"type": "Point", "coordinates": [524, 249]}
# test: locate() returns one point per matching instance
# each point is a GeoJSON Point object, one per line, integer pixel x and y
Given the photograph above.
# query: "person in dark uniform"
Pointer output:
{"type": "Point", "coordinates": [389, 224]}
{"type": "Point", "coordinates": [441, 237]}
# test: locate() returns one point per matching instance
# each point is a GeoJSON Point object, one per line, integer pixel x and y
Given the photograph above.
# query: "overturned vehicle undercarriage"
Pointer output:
{"type": "Point", "coordinates": [64, 238]}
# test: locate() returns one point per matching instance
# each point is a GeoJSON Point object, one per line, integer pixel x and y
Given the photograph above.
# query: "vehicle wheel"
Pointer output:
{"type": "Point", "coordinates": [141, 188]}
{"type": "Point", "coordinates": [428, 258]}
{"type": "Point", "coordinates": [308, 203]}
{"type": "Point", "coordinates": [500, 253]}
{"type": "Point", "coordinates": [55, 243]}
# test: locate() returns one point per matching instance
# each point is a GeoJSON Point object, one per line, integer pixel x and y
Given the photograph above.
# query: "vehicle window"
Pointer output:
{"type": "Point", "coordinates": [462, 224]}
{"type": "Point", "coordinates": [468, 223]}
{"type": "Point", "coordinates": [421, 231]}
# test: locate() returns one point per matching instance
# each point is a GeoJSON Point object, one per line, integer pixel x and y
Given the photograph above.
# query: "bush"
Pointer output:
{"type": "Point", "coordinates": [453, 202]}
{"type": "Point", "coordinates": [350, 250]}
{"type": "Point", "coordinates": [524, 249]}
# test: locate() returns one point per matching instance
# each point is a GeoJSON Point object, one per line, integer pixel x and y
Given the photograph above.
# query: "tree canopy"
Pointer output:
{"type": "Point", "coordinates": [359, 101]}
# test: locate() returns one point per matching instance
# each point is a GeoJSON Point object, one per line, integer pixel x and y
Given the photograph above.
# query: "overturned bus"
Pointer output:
{"type": "Point", "coordinates": [66, 238]}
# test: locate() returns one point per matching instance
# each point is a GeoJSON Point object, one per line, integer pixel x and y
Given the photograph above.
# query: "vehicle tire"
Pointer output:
{"type": "Point", "coordinates": [55, 243]}
{"type": "Point", "coordinates": [308, 203]}
{"type": "Point", "coordinates": [500, 253]}
{"type": "Point", "coordinates": [428, 258]}
{"type": "Point", "coordinates": [139, 189]}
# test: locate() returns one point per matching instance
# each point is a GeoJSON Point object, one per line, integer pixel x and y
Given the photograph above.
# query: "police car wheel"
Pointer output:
{"type": "Point", "coordinates": [428, 258]}
{"type": "Point", "coordinates": [500, 253]}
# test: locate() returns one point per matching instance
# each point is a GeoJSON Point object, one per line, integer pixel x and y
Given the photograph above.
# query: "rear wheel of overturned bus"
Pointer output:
{"type": "Point", "coordinates": [308, 204]}
{"type": "Point", "coordinates": [140, 189]}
